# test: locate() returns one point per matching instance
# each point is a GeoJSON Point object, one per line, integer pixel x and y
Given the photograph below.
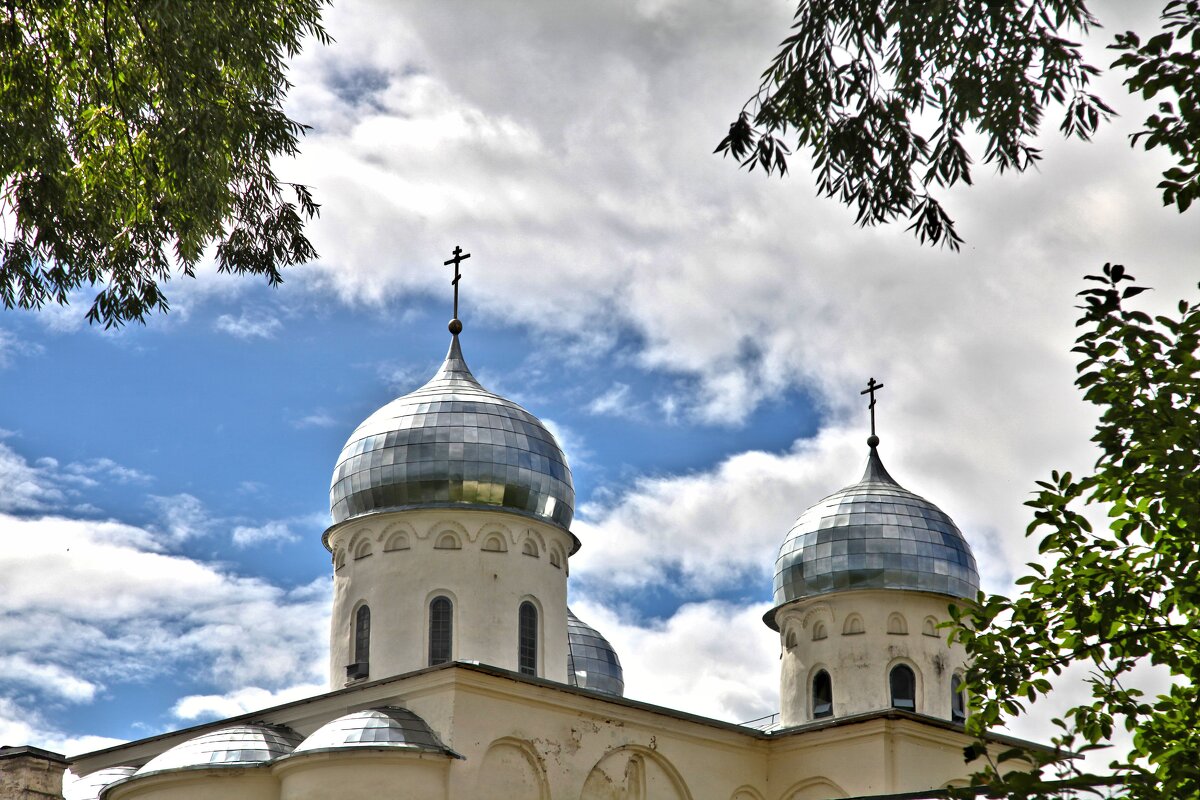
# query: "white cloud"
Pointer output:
{"type": "Point", "coordinates": [240, 701]}
{"type": "Point", "coordinates": [183, 517]}
{"type": "Point", "coordinates": [28, 726]}
{"type": "Point", "coordinates": [26, 487]}
{"type": "Point", "coordinates": [159, 614]}
{"type": "Point", "coordinates": [249, 325]}
{"type": "Point", "coordinates": [11, 346]}
{"type": "Point", "coordinates": [712, 658]}
{"type": "Point", "coordinates": [49, 678]}
{"type": "Point", "coordinates": [273, 531]}
{"type": "Point", "coordinates": [613, 402]}
{"type": "Point", "coordinates": [317, 419]}
{"type": "Point", "coordinates": [105, 467]}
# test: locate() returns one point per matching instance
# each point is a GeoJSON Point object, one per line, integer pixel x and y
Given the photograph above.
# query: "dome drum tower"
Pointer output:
{"type": "Point", "coordinates": [451, 509]}
{"type": "Point", "coordinates": [863, 581]}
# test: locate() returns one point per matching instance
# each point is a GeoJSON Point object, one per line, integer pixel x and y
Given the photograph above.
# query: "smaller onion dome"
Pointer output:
{"type": "Point", "coordinates": [873, 534]}
{"type": "Point", "coordinates": [239, 745]}
{"type": "Point", "coordinates": [592, 662]}
{"type": "Point", "coordinates": [91, 785]}
{"type": "Point", "coordinates": [389, 726]}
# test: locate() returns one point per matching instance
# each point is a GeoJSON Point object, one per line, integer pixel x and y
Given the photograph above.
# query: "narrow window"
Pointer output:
{"type": "Point", "coordinates": [958, 700]}
{"type": "Point", "coordinates": [362, 635]}
{"type": "Point", "coordinates": [527, 639]}
{"type": "Point", "coordinates": [822, 695]}
{"type": "Point", "coordinates": [904, 688]}
{"type": "Point", "coordinates": [441, 630]}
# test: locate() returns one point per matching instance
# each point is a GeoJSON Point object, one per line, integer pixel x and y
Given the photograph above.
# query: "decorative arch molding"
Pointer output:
{"type": "Point", "coordinates": [339, 558]}
{"type": "Point", "coordinates": [448, 540]}
{"type": "Point", "coordinates": [789, 619]}
{"type": "Point", "coordinates": [537, 537]}
{"type": "Point", "coordinates": [745, 792]}
{"type": "Point", "coordinates": [897, 625]}
{"type": "Point", "coordinates": [489, 528]}
{"type": "Point", "coordinates": [397, 536]}
{"type": "Point", "coordinates": [494, 542]}
{"type": "Point", "coordinates": [557, 558]}
{"type": "Point", "coordinates": [513, 768]}
{"type": "Point", "coordinates": [441, 526]}
{"type": "Point", "coordinates": [399, 540]}
{"type": "Point", "coordinates": [821, 612]}
{"type": "Point", "coordinates": [359, 536]}
{"type": "Point", "coordinates": [853, 625]}
{"type": "Point", "coordinates": [362, 549]}
{"type": "Point", "coordinates": [628, 754]}
{"type": "Point", "coordinates": [930, 627]}
{"type": "Point", "coordinates": [813, 789]}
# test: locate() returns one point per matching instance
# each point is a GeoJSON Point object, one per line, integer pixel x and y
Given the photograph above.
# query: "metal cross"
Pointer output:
{"type": "Point", "coordinates": [459, 257]}
{"type": "Point", "coordinates": [872, 386]}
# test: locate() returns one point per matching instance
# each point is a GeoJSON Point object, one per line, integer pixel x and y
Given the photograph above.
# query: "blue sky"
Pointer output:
{"type": "Point", "coordinates": [697, 337]}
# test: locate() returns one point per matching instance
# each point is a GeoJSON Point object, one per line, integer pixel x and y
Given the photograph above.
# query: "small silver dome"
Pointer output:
{"type": "Point", "coordinates": [91, 785]}
{"type": "Point", "coordinates": [873, 534]}
{"type": "Point", "coordinates": [376, 727]}
{"type": "Point", "coordinates": [592, 662]}
{"type": "Point", "coordinates": [452, 442]}
{"type": "Point", "coordinates": [240, 745]}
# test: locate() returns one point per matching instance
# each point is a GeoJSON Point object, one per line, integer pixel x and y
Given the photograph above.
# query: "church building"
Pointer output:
{"type": "Point", "coordinates": [456, 669]}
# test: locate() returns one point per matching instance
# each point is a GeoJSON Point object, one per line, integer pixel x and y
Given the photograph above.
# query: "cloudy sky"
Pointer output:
{"type": "Point", "coordinates": [696, 335]}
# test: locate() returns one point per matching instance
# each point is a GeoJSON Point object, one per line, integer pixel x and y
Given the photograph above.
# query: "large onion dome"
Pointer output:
{"type": "Point", "coordinates": [91, 785]}
{"type": "Point", "coordinates": [592, 662]}
{"type": "Point", "coordinates": [388, 727]}
{"type": "Point", "coordinates": [236, 746]}
{"type": "Point", "coordinates": [873, 534]}
{"type": "Point", "coordinates": [453, 443]}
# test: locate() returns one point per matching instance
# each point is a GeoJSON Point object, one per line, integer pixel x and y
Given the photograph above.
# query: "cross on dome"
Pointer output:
{"type": "Point", "coordinates": [872, 387]}
{"type": "Point", "coordinates": [458, 256]}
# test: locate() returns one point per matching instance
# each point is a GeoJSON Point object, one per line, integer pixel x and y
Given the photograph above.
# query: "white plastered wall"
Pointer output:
{"type": "Point", "coordinates": [398, 562]}
{"type": "Point", "coordinates": [859, 663]}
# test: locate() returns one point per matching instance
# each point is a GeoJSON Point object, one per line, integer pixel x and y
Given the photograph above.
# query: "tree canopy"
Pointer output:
{"type": "Point", "coordinates": [134, 135]}
{"type": "Point", "coordinates": [884, 95]}
{"type": "Point", "coordinates": [1118, 598]}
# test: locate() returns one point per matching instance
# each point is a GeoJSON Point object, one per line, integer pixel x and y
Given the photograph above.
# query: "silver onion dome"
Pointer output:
{"type": "Point", "coordinates": [91, 785]}
{"type": "Point", "coordinates": [236, 746]}
{"type": "Point", "coordinates": [873, 534]}
{"type": "Point", "coordinates": [592, 662]}
{"type": "Point", "coordinates": [453, 443]}
{"type": "Point", "coordinates": [389, 727]}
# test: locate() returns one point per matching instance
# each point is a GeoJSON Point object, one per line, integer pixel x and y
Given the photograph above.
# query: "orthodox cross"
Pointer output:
{"type": "Point", "coordinates": [872, 386]}
{"type": "Point", "coordinates": [459, 257]}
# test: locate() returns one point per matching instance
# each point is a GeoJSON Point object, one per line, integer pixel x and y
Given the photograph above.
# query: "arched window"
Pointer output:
{"type": "Point", "coordinates": [362, 635]}
{"type": "Point", "coordinates": [441, 630]}
{"type": "Point", "coordinates": [822, 695]}
{"type": "Point", "coordinates": [904, 687]}
{"type": "Point", "coordinates": [359, 667]}
{"type": "Point", "coordinates": [527, 639]}
{"type": "Point", "coordinates": [958, 699]}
